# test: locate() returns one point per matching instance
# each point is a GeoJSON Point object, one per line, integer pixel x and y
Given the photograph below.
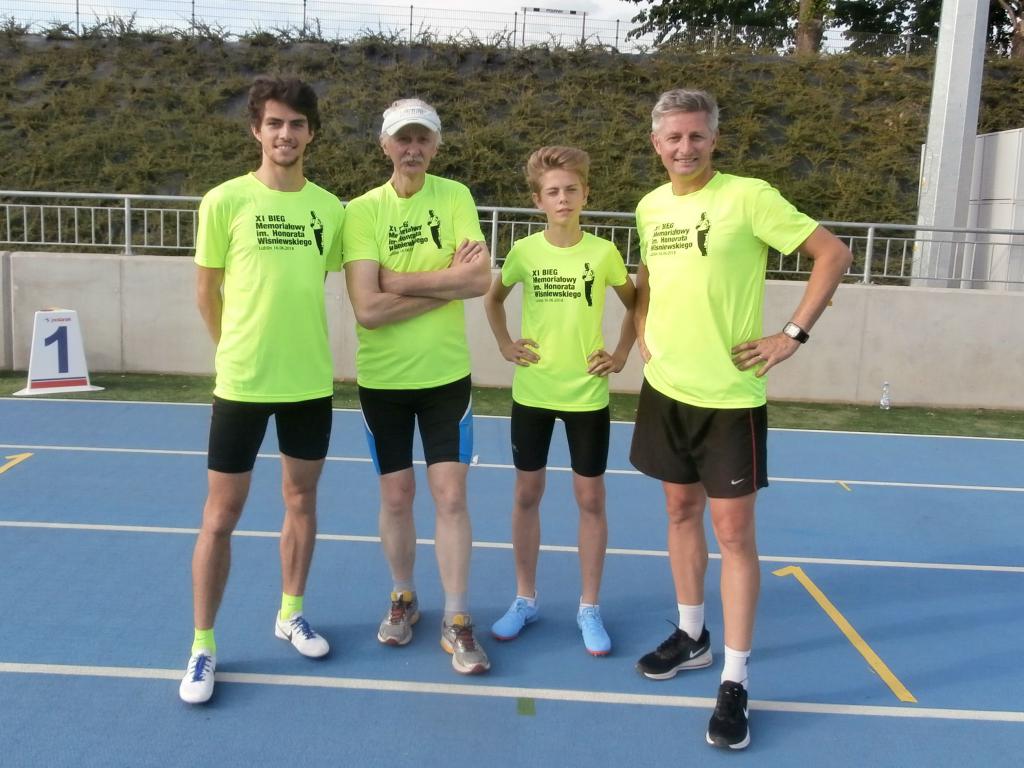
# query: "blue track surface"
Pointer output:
{"type": "Point", "coordinates": [95, 547]}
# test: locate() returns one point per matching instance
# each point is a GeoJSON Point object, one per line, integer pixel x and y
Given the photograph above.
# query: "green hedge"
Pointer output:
{"type": "Point", "coordinates": [839, 135]}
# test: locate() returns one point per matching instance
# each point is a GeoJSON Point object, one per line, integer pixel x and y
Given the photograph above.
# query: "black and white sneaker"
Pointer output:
{"type": "Point", "coordinates": [679, 651]}
{"type": "Point", "coordinates": [728, 725]}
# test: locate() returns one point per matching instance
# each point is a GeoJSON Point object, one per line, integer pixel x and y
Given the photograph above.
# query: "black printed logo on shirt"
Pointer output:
{"type": "Point", "coordinates": [550, 286]}
{"type": "Point", "coordinates": [405, 237]}
{"type": "Point", "coordinates": [318, 231]}
{"type": "Point", "coordinates": [588, 284]}
{"type": "Point", "coordinates": [435, 227]}
{"type": "Point", "coordinates": [703, 229]}
{"type": "Point", "coordinates": [275, 233]}
{"type": "Point", "coordinates": [669, 237]}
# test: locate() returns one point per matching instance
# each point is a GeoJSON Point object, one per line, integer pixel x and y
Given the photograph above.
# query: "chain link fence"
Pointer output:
{"type": "Point", "coordinates": [322, 20]}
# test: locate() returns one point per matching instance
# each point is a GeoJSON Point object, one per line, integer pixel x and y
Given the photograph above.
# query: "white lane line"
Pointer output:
{"type": "Point", "coordinates": [507, 546]}
{"type": "Point", "coordinates": [510, 692]}
{"type": "Point", "coordinates": [365, 460]}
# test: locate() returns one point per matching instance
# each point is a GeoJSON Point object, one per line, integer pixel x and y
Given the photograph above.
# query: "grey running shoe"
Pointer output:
{"type": "Point", "coordinates": [457, 639]}
{"type": "Point", "coordinates": [396, 628]}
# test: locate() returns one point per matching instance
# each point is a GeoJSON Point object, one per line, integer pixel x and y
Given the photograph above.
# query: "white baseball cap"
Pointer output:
{"type": "Point", "coordinates": [410, 112]}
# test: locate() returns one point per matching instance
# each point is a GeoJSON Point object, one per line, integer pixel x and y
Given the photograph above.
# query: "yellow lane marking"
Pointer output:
{"type": "Point", "coordinates": [14, 461]}
{"type": "Point", "coordinates": [844, 486]}
{"type": "Point", "coordinates": [851, 634]}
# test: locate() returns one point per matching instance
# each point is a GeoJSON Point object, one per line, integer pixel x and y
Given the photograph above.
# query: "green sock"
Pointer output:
{"type": "Point", "coordinates": [203, 641]}
{"type": "Point", "coordinates": [290, 605]}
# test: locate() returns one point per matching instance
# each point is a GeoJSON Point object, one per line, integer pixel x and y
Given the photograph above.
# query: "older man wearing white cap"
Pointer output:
{"type": "Point", "coordinates": [413, 251]}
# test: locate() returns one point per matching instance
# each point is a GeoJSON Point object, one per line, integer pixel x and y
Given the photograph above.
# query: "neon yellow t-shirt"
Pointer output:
{"type": "Point", "coordinates": [706, 254]}
{"type": "Point", "coordinates": [414, 234]}
{"type": "Point", "coordinates": [274, 248]}
{"type": "Point", "coordinates": [563, 303]}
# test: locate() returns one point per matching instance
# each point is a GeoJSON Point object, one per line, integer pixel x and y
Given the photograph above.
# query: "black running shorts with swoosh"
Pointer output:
{"type": "Point", "coordinates": [724, 449]}
{"type": "Point", "coordinates": [237, 430]}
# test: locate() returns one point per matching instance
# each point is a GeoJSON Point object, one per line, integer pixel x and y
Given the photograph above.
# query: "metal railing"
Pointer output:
{"type": "Point", "coordinates": [892, 254]}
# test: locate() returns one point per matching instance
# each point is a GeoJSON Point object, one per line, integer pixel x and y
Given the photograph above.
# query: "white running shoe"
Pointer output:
{"type": "Point", "coordinates": [298, 632]}
{"type": "Point", "coordinates": [197, 684]}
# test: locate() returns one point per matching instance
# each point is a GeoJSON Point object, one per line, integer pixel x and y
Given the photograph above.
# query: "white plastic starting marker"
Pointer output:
{"type": "Point", "coordinates": [57, 360]}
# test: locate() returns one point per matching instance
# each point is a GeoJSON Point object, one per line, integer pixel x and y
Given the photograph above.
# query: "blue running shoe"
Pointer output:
{"type": "Point", "coordinates": [595, 638]}
{"type": "Point", "coordinates": [519, 614]}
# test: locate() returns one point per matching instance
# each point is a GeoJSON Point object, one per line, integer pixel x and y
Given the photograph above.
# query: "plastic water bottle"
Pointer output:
{"type": "Point", "coordinates": [884, 402]}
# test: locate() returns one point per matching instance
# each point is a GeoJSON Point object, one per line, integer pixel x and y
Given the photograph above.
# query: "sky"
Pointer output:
{"type": "Point", "coordinates": [599, 9]}
{"type": "Point", "coordinates": [341, 19]}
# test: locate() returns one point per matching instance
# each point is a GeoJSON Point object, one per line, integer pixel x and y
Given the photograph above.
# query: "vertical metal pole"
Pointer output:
{"type": "Point", "coordinates": [616, 33]}
{"type": "Point", "coordinates": [583, 33]}
{"type": "Point", "coordinates": [869, 252]}
{"type": "Point", "coordinates": [410, 26]}
{"type": "Point", "coordinates": [303, 17]}
{"type": "Point", "coordinates": [948, 161]}
{"type": "Point", "coordinates": [524, 27]}
{"type": "Point", "coordinates": [127, 226]}
{"type": "Point", "coordinates": [78, 12]}
{"type": "Point", "coordinates": [494, 238]}
{"type": "Point", "coordinates": [515, 27]}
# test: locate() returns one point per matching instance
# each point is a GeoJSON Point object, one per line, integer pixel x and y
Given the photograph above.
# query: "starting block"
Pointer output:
{"type": "Point", "coordinates": [57, 359]}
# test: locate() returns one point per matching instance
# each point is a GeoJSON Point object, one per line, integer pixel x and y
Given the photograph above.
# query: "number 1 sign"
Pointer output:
{"type": "Point", "coordinates": [57, 360]}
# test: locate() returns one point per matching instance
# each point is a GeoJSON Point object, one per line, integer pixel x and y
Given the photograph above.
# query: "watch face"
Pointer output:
{"type": "Point", "coordinates": [795, 332]}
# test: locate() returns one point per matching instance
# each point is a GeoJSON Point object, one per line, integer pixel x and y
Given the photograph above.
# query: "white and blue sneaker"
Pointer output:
{"type": "Point", "coordinates": [197, 684]}
{"type": "Point", "coordinates": [595, 638]}
{"type": "Point", "coordinates": [519, 614]}
{"type": "Point", "coordinates": [298, 632]}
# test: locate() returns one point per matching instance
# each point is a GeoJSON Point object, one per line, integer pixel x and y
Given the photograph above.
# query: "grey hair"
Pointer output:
{"type": "Point", "coordinates": [684, 100]}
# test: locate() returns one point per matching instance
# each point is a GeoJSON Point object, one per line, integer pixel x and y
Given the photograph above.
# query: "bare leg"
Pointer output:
{"type": "Point", "coordinates": [733, 522]}
{"type": "Point", "coordinates": [397, 527]}
{"type": "Point", "coordinates": [687, 545]}
{"type": "Point", "coordinates": [211, 558]}
{"type": "Point", "coordinates": [593, 533]}
{"type": "Point", "coordinates": [454, 537]}
{"type": "Point", "coordinates": [299, 479]}
{"type": "Point", "coordinates": [526, 529]}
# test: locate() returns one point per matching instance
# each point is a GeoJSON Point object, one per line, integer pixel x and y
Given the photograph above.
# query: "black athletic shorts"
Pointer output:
{"type": "Point", "coordinates": [444, 415]}
{"type": "Point", "coordinates": [237, 430]}
{"type": "Point", "coordinates": [724, 449]}
{"type": "Point", "coordinates": [587, 433]}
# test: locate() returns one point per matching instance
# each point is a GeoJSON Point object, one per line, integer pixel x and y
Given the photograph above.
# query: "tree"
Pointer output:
{"type": "Point", "coordinates": [1014, 36]}
{"type": "Point", "coordinates": [754, 23]}
{"type": "Point", "coordinates": [869, 26]}
{"type": "Point", "coordinates": [810, 25]}
{"type": "Point", "coordinates": [889, 26]}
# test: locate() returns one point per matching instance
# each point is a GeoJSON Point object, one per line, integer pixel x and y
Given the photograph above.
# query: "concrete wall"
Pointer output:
{"type": "Point", "coordinates": [941, 347]}
{"type": "Point", "coordinates": [6, 344]}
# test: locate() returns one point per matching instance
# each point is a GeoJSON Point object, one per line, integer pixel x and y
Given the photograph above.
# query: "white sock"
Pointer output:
{"type": "Point", "coordinates": [735, 668]}
{"type": "Point", "coordinates": [454, 604]}
{"type": "Point", "coordinates": [691, 619]}
{"type": "Point", "coordinates": [530, 601]}
{"type": "Point", "coordinates": [400, 586]}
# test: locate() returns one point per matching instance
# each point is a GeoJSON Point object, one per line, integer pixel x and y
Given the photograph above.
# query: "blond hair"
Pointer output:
{"type": "Point", "coordinates": [556, 159]}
